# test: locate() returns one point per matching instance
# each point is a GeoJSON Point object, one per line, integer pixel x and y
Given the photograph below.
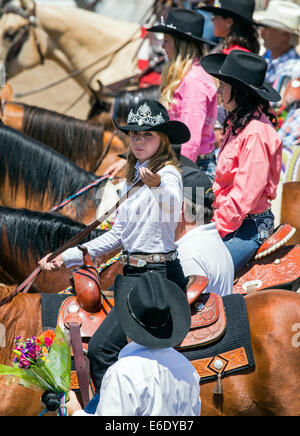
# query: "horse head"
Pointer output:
{"type": "Point", "coordinates": [22, 41]}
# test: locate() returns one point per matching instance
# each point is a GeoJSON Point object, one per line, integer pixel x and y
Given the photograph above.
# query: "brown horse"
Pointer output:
{"type": "Point", "coordinates": [27, 236]}
{"type": "Point", "coordinates": [36, 177]}
{"type": "Point", "coordinates": [270, 388]}
{"type": "Point", "coordinates": [85, 143]}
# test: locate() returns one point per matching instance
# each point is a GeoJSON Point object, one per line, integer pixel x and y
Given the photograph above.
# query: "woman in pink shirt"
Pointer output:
{"type": "Point", "coordinates": [187, 91]}
{"type": "Point", "coordinates": [249, 161]}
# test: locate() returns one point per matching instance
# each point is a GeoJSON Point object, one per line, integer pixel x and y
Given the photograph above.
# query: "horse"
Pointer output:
{"type": "Point", "coordinates": [36, 177]}
{"type": "Point", "coordinates": [271, 387]}
{"type": "Point", "coordinates": [96, 46]}
{"type": "Point", "coordinates": [99, 53]}
{"type": "Point", "coordinates": [26, 236]}
{"type": "Point", "coordinates": [85, 143]}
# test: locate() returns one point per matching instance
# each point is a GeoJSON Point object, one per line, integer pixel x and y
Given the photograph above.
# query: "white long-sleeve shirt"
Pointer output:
{"type": "Point", "coordinates": [145, 222]}
{"type": "Point", "coordinates": [149, 382]}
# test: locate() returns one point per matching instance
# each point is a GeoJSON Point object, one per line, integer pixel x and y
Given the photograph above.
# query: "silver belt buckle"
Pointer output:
{"type": "Point", "coordinates": [141, 263]}
{"type": "Point", "coordinates": [156, 258]}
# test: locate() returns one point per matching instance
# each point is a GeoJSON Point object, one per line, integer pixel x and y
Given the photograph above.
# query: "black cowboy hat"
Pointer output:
{"type": "Point", "coordinates": [241, 10]}
{"type": "Point", "coordinates": [196, 178]}
{"type": "Point", "coordinates": [183, 23]}
{"type": "Point", "coordinates": [152, 115]}
{"type": "Point", "coordinates": [242, 70]}
{"type": "Point", "coordinates": [152, 311]}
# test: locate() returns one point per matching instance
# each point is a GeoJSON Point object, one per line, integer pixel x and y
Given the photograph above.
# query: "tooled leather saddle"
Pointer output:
{"type": "Point", "coordinates": [80, 316]}
{"type": "Point", "coordinates": [274, 266]}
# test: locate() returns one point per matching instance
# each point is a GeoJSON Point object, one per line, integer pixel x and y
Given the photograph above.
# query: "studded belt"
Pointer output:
{"type": "Point", "coordinates": [140, 260]}
{"type": "Point", "coordinates": [206, 156]}
{"type": "Point", "coordinates": [253, 215]}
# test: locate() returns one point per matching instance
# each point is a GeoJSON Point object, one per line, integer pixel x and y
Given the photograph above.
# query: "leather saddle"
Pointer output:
{"type": "Point", "coordinates": [80, 316]}
{"type": "Point", "coordinates": [208, 322]}
{"type": "Point", "coordinates": [274, 265]}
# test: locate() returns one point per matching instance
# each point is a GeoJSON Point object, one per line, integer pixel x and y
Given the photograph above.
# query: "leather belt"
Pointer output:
{"type": "Point", "coordinates": [253, 215]}
{"type": "Point", "coordinates": [140, 260]}
{"type": "Point", "coordinates": [206, 156]}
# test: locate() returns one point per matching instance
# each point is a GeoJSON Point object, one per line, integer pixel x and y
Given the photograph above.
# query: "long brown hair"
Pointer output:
{"type": "Point", "coordinates": [165, 155]}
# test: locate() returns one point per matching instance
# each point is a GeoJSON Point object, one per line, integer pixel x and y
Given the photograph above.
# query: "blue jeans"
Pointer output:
{"type": "Point", "coordinates": [245, 241]}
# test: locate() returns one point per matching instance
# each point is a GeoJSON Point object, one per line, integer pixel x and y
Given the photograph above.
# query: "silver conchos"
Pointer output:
{"type": "Point", "coordinates": [144, 116]}
{"type": "Point", "coordinates": [156, 258]}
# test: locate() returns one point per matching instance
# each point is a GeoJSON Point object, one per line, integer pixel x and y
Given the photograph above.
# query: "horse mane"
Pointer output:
{"type": "Point", "coordinates": [41, 170]}
{"type": "Point", "coordinates": [39, 232]}
{"type": "Point", "coordinates": [78, 140]}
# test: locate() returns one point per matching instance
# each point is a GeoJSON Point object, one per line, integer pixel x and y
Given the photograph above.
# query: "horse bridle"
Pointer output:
{"type": "Point", "coordinates": [32, 22]}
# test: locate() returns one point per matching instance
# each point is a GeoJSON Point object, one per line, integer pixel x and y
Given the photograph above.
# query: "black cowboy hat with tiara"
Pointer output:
{"type": "Point", "coordinates": [241, 10]}
{"type": "Point", "coordinates": [152, 311]}
{"type": "Point", "coordinates": [183, 23]}
{"type": "Point", "coordinates": [242, 70]}
{"type": "Point", "coordinates": [150, 115]}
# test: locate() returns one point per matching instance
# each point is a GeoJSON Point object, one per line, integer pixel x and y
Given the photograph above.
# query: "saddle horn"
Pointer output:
{"type": "Point", "coordinates": [86, 284]}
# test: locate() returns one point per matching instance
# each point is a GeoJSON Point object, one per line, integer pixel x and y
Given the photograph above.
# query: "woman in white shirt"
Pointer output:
{"type": "Point", "coordinates": [146, 222]}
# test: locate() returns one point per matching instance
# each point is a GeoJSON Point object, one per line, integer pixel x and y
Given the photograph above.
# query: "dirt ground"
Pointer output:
{"type": "Point", "coordinates": [61, 98]}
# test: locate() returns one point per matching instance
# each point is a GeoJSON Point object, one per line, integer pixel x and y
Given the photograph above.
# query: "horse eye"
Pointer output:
{"type": "Point", "coordinates": [10, 35]}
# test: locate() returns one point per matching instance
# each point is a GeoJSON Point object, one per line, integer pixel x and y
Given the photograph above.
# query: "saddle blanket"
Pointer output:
{"type": "Point", "coordinates": [235, 339]}
{"type": "Point", "coordinates": [50, 307]}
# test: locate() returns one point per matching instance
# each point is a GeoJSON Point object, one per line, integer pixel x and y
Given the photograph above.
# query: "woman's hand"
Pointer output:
{"type": "Point", "coordinates": [53, 265]}
{"type": "Point", "coordinates": [116, 167]}
{"type": "Point", "coordinates": [73, 404]}
{"type": "Point", "coordinates": [152, 180]}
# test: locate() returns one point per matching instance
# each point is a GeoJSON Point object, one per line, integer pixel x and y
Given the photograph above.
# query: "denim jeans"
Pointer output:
{"type": "Point", "coordinates": [245, 241]}
{"type": "Point", "coordinates": [109, 339]}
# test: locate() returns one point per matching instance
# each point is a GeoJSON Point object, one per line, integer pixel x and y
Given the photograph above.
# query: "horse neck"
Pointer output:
{"type": "Point", "coordinates": [77, 38]}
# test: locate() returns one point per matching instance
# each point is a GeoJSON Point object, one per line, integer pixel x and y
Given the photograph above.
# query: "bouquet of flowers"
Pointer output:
{"type": "Point", "coordinates": [43, 362]}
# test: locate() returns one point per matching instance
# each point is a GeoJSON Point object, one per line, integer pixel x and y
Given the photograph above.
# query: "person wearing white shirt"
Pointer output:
{"type": "Point", "coordinates": [146, 222]}
{"type": "Point", "coordinates": [150, 377]}
{"type": "Point", "coordinates": [201, 250]}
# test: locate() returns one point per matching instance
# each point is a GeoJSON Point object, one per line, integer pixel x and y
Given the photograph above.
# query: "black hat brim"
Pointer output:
{"type": "Point", "coordinates": [212, 64]}
{"type": "Point", "coordinates": [177, 132]}
{"type": "Point", "coordinates": [167, 336]}
{"type": "Point", "coordinates": [228, 12]}
{"type": "Point", "coordinates": [183, 35]}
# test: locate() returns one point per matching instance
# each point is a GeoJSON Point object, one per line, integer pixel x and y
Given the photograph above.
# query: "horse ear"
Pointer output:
{"type": "Point", "coordinates": [28, 6]}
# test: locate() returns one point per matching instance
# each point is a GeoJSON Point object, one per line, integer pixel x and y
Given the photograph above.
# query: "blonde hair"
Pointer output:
{"type": "Point", "coordinates": [164, 155]}
{"type": "Point", "coordinates": [175, 69]}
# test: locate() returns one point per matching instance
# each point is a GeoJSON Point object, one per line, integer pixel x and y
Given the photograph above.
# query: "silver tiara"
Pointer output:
{"type": "Point", "coordinates": [144, 116]}
{"type": "Point", "coordinates": [163, 23]}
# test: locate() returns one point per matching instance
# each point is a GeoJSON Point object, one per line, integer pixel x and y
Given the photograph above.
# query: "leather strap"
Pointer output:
{"type": "Point", "coordinates": [81, 365]}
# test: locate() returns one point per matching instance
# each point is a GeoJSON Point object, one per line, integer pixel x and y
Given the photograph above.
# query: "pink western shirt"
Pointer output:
{"type": "Point", "coordinates": [196, 106]}
{"type": "Point", "coordinates": [248, 172]}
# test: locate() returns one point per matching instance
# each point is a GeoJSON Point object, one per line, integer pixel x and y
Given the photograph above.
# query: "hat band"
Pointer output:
{"type": "Point", "coordinates": [139, 321]}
